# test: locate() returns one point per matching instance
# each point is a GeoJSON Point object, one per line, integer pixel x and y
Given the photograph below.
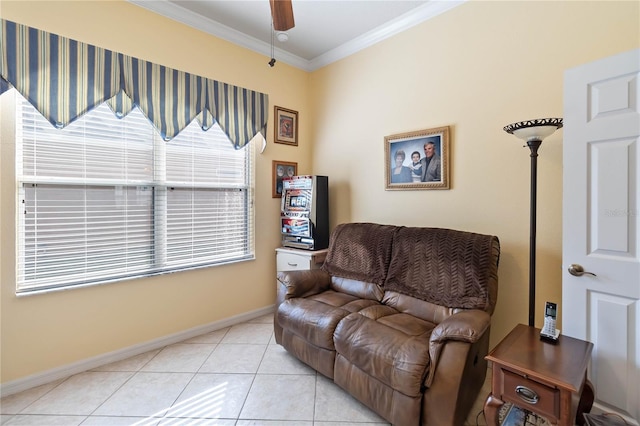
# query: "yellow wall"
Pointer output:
{"type": "Point", "coordinates": [476, 69]}
{"type": "Point", "coordinates": [45, 331]}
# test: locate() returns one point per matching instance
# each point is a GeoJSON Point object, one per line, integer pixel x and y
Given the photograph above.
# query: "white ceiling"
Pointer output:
{"type": "Point", "coordinates": [325, 30]}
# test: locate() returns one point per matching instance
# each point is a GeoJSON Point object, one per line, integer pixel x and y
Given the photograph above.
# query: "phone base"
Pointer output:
{"type": "Point", "coordinates": [550, 338]}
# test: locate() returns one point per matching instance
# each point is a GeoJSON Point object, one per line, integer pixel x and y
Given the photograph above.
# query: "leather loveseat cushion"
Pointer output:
{"type": "Point", "coordinates": [388, 345]}
{"type": "Point", "coordinates": [357, 288]}
{"type": "Point", "coordinates": [315, 318]}
{"type": "Point", "coordinates": [417, 308]}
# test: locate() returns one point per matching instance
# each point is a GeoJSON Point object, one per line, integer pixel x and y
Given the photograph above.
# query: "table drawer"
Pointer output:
{"type": "Point", "coordinates": [292, 262]}
{"type": "Point", "coordinates": [529, 394]}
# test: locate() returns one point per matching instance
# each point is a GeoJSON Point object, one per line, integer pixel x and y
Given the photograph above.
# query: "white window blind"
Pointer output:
{"type": "Point", "coordinates": [106, 199]}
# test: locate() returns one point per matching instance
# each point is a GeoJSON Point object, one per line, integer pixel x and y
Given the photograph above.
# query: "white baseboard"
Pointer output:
{"type": "Point", "coordinates": [54, 374]}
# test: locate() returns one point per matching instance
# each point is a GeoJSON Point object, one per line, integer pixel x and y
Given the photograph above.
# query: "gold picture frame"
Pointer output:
{"type": "Point", "coordinates": [281, 169]}
{"type": "Point", "coordinates": [430, 147]}
{"type": "Point", "coordinates": [286, 126]}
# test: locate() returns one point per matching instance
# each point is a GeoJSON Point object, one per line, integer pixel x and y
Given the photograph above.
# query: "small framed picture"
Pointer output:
{"type": "Point", "coordinates": [417, 160]}
{"type": "Point", "coordinates": [281, 169]}
{"type": "Point", "coordinates": [286, 126]}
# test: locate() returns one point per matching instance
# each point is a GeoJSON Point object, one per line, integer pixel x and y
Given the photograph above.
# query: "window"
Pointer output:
{"type": "Point", "coordinates": [107, 199]}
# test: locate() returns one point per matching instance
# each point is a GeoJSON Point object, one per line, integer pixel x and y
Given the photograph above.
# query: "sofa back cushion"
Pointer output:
{"type": "Point", "coordinates": [417, 308]}
{"type": "Point", "coordinates": [357, 288]}
{"type": "Point", "coordinates": [450, 268]}
{"type": "Point", "coordinates": [360, 251]}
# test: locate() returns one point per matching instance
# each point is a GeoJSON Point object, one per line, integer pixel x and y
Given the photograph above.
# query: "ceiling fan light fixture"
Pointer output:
{"type": "Point", "coordinates": [282, 36]}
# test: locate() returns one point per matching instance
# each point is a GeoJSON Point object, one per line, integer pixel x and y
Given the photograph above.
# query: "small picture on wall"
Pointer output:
{"type": "Point", "coordinates": [417, 160]}
{"type": "Point", "coordinates": [281, 169]}
{"type": "Point", "coordinates": [286, 126]}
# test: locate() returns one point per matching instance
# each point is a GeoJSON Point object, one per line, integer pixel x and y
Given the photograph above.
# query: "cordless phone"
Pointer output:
{"type": "Point", "coordinates": [549, 331]}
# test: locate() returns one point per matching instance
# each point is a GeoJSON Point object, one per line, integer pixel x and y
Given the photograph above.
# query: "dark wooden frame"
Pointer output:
{"type": "Point", "coordinates": [285, 126]}
{"type": "Point", "coordinates": [277, 179]}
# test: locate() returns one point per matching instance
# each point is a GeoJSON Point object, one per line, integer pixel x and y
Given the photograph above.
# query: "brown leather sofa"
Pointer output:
{"type": "Point", "coordinates": [399, 317]}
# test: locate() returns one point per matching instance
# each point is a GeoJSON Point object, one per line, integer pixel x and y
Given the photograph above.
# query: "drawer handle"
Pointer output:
{"type": "Point", "coordinates": [292, 264]}
{"type": "Point", "coordinates": [527, 395]}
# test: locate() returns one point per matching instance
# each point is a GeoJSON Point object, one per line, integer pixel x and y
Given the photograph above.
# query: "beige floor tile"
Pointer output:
{"type": "Point", "coordinates": [232, 358]}
{"type": "Point", "coordinates": [212, 337]}
{"type": "Point", "coordinates": [79, 395]}
{"type": "Point", "coordinates": [135, 363]}
{"type": "Point", "coordinates": [265, 319]}
{"type": "Point", "coordinates": [121, 421]}
{"type": "Point", "coordinates": [272, 341]}
{"type": "Point", "coordinates": [335, 405]}
{"type": "Point", "coordinates": [249, 333]}
{"type": "Point", "coordinates": [273, 423]}
{"type": "Point", "coordinates": [279, 397]}
{"type": "Point", "coordinates": [145, 394]}
{"type": "Point", "coordinates": [213, 396]}
{"type": "Point", "coordinates": [180, 358]}
{"type": "Point", "coordinates": [15, 403]}
{"type": "Point", "coordinates": [40, 420]}
{"type": "Point", "coordinates": [196, 422]}
{"type": "Point", "coordinates": [277, 360]}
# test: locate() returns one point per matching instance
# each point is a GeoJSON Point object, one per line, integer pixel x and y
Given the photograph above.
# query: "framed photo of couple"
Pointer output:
{"type": "Point", "coordinates": [417, 160]}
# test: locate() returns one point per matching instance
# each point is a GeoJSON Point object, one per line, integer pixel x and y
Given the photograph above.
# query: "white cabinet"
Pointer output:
{"type": "Point", "coordinates": [290, 259]}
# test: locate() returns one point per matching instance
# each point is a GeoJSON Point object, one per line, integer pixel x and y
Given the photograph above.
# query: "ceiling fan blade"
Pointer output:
{"type": "Point", "coordinates": [282, 14]}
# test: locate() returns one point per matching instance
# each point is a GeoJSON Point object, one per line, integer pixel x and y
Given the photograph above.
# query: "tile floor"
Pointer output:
{"type": "Point", "coordinates": [234, 376]}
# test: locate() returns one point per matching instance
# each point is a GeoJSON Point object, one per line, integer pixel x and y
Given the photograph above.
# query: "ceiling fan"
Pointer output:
{"type": "Point", "coordinates": [282, 15]}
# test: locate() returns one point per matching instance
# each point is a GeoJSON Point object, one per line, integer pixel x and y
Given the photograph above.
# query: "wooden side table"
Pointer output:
{"type": "Point", "coordinates": [545, 378]}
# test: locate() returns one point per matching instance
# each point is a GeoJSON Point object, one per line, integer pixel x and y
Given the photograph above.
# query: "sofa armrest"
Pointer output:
{"type": "Point", "coordinates": [465, 326]}
{"type": "Point", "coordinates": [302, 283]}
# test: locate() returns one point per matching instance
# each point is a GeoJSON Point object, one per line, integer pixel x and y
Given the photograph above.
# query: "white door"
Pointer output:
{"type": "Point", "coordinates": [601, 224]}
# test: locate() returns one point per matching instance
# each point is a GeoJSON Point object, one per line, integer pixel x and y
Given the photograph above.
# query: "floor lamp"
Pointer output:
{"type": "Point", "coordinates": [533, 132]}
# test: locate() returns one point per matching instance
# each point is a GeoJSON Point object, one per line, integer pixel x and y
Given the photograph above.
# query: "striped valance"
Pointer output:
{"type": "Point", "coordinates": [64, 79]}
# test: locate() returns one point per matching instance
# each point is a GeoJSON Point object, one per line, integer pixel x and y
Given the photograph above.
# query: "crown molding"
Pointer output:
{"type": "Point", "coordinates": [391, 28]}
{"type": "Point", "coordinates": [398, 25]}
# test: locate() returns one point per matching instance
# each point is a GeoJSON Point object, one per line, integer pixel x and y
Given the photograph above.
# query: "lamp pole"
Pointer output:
{"type": "Point", "coordinates": [533, 146]}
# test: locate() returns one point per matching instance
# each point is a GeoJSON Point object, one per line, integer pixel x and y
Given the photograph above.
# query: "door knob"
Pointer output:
{"type": "Point", "coordinates": [578, 271]}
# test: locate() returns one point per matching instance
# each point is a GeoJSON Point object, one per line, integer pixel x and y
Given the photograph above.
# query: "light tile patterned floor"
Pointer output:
{"type": "Point", "coordinates": [235, 376]}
